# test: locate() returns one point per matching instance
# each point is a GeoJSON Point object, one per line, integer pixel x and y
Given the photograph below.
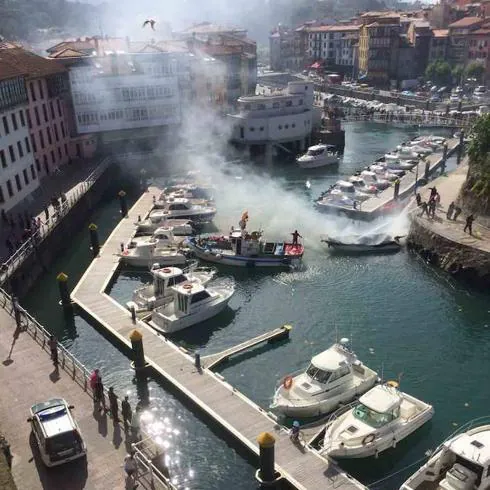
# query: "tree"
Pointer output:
{"type": "Point", "coordinates": [457, 73]}
{"type": "Point", "coordinates": [475, 70]}
{"type": "Point", "coordinates": [439, 72]}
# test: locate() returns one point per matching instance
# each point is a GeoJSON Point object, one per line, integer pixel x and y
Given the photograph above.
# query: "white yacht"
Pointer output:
{"type": "Point", "coordinates": [183, 209]}
{"type": "Point", "coordinates": [162, 236]}
{"type": "Point", "coordinates": [191, 304]}
{"type": "Point", "coordinates": [318, 156]}
{"type": "Point", "coordinates": [382, 417]}
{"type": "Point", "coordinates": [334, 377]}
{"type": "Point", "coordinates": [373, 179]}
{"type": "Point", "coordinates": [362, 186]}
{"type": "Point", "coordinates": [180, 227]}
{"type": "Point", "coordinates": [164, 278]}
{"type": "Point", "coordinates": [148, 254]}
{"type": "Point", "coordinates": [460, 463]}
{"type": "Point", "coordinates": [195, 193]}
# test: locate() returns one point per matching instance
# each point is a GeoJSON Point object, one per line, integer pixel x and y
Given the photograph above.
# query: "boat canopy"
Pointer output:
{"type": "Point", "coordinates": [381, 399]}
{"type": "Point", "coordinates": [472, 445]}
{"type": "Point", "coordinates": [329, 360]}
{"type": "Point", "coordinates": [344, 183]}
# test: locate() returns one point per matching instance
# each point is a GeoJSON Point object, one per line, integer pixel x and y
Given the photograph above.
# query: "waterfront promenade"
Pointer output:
{"type": "Point", "coordinates": [27, 376]}
{"type": "Point", "coordinates": [224, 404]}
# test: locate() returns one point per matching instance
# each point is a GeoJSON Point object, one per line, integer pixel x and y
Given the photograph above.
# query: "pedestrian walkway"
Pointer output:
{"type": "Point", "coordinates": [27, 376]}
{"type": "Point", "coordinates": [448, 188]}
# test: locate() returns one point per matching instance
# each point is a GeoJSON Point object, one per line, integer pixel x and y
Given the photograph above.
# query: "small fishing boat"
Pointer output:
{"type": "Point", "coordinates": [163, 236]}
{"type": "Point", "coordinates": [245, 249]}
{"type": "Point", "coordinates": [334, 377]}
{"type": "Point", "coordinates": [182, 209]}
{"type": "Point", "coordinates": [363, 243]}
{"type": "Point", "coordinates": [180, 227]}
{"type": "Point", "coordinates": [191, 304]}
{"type": "Point", "coordinates": [382, 418]}
{"type": "Point", "coordinates": [460, 463]}
{"type": "Point", "coordinates": [159, 292]}
{"type": "Point", "coordinates": [318, 156]}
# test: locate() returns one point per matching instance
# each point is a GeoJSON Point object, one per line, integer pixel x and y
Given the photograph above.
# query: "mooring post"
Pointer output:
{"type": "Point", "coordinates": [197, 360]}
{"type": "Point", "coordinates": [94, 239]}
{"type": "Point", "coordinates": [123, 203]}
{"type": "Point", "coordinates": [444, 157]}
{"type": "Point", "coordinates": [427, 170]}
{"type": "Point", "coordinates": [62, 279]}
{"type": "Point", "coordinates": [266, 474]}
{"type": "Point", "coordinates": [138, 352]}
{"type": "Point", "coordinates": [397, 189]}
{"type": "Point", "coordinates": [133, 313]}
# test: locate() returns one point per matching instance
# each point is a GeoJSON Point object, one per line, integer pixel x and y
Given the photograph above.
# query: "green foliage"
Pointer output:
{"type": "Point", "coordinates": [457, 72]}
{"type": "Point", "coordinates": [439, 72]}
{"type": "Point", "coordinates": [480, 143]}
{"type": "Point", "coordinates": [475, 70]}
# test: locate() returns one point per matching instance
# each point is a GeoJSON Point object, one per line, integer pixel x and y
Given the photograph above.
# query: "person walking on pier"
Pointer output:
{"type": "Point", "coordinates": [424, 208]}
{"type": "Point", "coordinates": [450, 210]}
{"type": "Point", "coordinates": [457, 212]}
{"type": "Point", "coordinates": [126, 413]}
{"type": "Point", "coordinates": [113, 406]}
{"type": "Point", "coordinates": [418, 199]}
{"type": "Point", "coordinates": [432, 208]}
{"type": "Point", "coordinates": [53, 347]}
{"type": "Point", "coordinates": [469, 224]}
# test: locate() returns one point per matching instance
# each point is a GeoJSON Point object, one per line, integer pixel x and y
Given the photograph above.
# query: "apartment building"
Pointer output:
{"type": "Point", "coordinates": [439, 45]}
{"type": "Point", "coordinates": [458, 39]}
{"type": "Point", "coordinates": [286, 49]}
{"type": "Point", "coordinates": [479, 48]}
{"type": "Point", "coordinates": [18, 175]}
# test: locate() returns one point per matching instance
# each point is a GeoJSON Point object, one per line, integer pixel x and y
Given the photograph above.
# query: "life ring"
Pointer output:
{"type": "Point", "coordinates": [188, 286]}
{"type": "Point", "coordinates": [368, 439]}
{"type": "Point", "coordinates": [393, 384]}
{"type": "Point", "coordinates": [288, 382]}
{"type": "Point", "coordinates": [166, 270]}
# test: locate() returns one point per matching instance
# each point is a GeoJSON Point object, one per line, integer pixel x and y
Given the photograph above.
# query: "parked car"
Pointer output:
{"type": "Point", "coordinates": [57, 434]}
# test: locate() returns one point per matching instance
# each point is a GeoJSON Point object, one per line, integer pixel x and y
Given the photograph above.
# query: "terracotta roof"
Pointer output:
{"type": "Point", "coordinates": [9, 45]}
{"type": "Point", "coordinates": [208, 27]}
{"type": "Point", "coordinates": [481, 32]}
{"type": "Point", "coordinates": [466, 22]}
{"type": "Point", "coordinates": [75, 45]}
{"type": "Point", "coordinates": [31, 64]}
{"type": "Point", "coordinates": [8, 70]}
{"type": "Point", "coordinates": [68, 53]}
{"type": "Point", "coordinates": [440, 32]}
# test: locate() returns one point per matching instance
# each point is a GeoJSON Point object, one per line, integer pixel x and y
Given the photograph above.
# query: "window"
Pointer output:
{"type": "Point", "coordinates": [59, 152]}
{"type": "Point", "coordinates": [45, 113]}
{"type": "Point", "coordinates": [372, 418]}
{"type": "Point", "coordinates": [53, 158]}
{"type": "Point", "coordinates": [33, 172]}
{"type": "Point", "coordinates": [286, 126]}
{"type": "Point", "coordinates": [38, 165]}
{"type": "Point", "coordinates": [55, 127]}
{"type": "Point", "coordinates": [5, 125]}
{"type": "Point", "coordinates": [19, 149]}
{"type": "Point", "coordinates": [3, 160]}
{"type": "Point", "coordinates": [51, 108]}
{"type": "Point", "coordinates": [29, 122]}
{"type": "Point", "coordinates": [26, 178]}
{"type": "Point", "coordinates": [276, 105]}
{"type": "Point", "coordinates": [242, 132]}
{"type": "Point", "coordinates": [36, 113]}
{"type": "Point", "coordinates": [59, 108]}
{"type": "Point", "coordinates": [41, 139]}
{"type": "Point", "coordinates": [22, 119]}
{"type": "Point", "coordinates": [293, 125]}
{"type": "Point", "coordinates": [10, 190]}
{"type": "Point", "coordinates": [200, 296]}
{"type": "Point", "coordinates": [251, 129]}
{"type": "Point", "coordinates": [33, 91]}
{"type": "Point", "coordinates": [17, 182]}
{"type": "Point", "coordinates": [40, 86]}
{"type": "Point", "coordinates": [289, 103]}
{"type": "Point", "coordinates": [280, 127]}
{"type": "Point", "coordinates": [12, 154]}
{"type": "Point", "coordinates": [14, 121]}
{"type": "Point", "coordinates": [50, 139]}
{"type": "Point", "coordinates": [33, 141]}
{"type": "Point", "coordinates": [2, 199]}
{"type": "Point", "coordinates": [261, 128]}
{"type": "Point", "coordinates": [62, 129]}
{"type": "Point", "coordinates": [317, 374]}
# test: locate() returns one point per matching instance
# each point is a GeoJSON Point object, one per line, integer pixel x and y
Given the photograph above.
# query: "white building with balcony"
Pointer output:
{"type": "Point", "coordinates": [284, 119]}
{"type": "Point", "coordinates": [18, 176]}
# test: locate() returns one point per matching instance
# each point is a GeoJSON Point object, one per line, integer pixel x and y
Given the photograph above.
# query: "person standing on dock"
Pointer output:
{"type": "Point", "coordinates": [418, 199]}
{"type": "Point", "coordinates": [424, 208]}
{"type": "Point", "coordinates": [457, 212]}
{"type": "Point", "coordinates": [450, 210]}
{"type": "Point", "coordinates": [113, 406]}
{"type": "Point", "coordinates": [469, 224]}
{"type": "Point", "coordinates": [432, 208]}
{"type": "Point", "coordinates": [126, 413]}
{"type": "Point", "coordinates": [53, 348]}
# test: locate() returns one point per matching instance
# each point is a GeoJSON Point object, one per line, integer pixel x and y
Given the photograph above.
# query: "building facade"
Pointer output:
{"type": "Point", "coordinates": [479, 50]}
{"type": "Point", "coordinates": [438, 48]}
{"type": "Point", "coordinates": [18, 175]}
{"type": "Point", "coordinates": [458, 39]}
{"type": "Point", "coordinates": [286, 49]}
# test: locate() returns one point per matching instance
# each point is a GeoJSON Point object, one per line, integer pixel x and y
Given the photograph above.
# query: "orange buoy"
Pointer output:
{"type": "Point", "coordinates": [288, 382]}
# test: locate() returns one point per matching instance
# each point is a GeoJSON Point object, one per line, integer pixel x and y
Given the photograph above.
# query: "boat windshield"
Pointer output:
{"type": "Point", "coordinates": [315, 153]}
{"type": "Point", "coordinates": [373, 418]}
{"type": "Point", "coordinates": [317, 374]}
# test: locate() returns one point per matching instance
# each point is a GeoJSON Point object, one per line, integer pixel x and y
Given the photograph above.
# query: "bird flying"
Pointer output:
{"type": "Point", "coordinates": [151, 22]}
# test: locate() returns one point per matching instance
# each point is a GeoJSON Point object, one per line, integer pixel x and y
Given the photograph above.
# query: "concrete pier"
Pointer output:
{"type": "Point", "coordinates": [242, 419]}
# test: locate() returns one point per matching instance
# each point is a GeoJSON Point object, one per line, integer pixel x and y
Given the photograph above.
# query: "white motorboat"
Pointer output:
{"type": "Point", "coordinates": [164, 278]}
{"type": "Point", "coordinates": [373, 179]}
{"type": "Point", "coordinates": [180, 227]}
{"type": "Point", "coordinates": [461, 463]}
{"type": "Point", "coordinates": [194, 193]}
{"type": "Point", "coordinates": [191, 304]}
{"type": "Point", "coordinates": [318, 156]}
{"type": "Point", "coordinates": [183, 209]}
{"type": "Point", "coordinates": [382, 172]}
{"type": "Point", "coordinates": [398, 165]}
{"type": "Point", "coordinates": [145, 255]}
{"type": "Point", "coordinates": [362, 186]}
{"type": "Point", "coordinates": [334, 377]}
{"type": "Point", "coordinates": [163, 236]}
{"type": "Point", "coordinates": [382, 417]}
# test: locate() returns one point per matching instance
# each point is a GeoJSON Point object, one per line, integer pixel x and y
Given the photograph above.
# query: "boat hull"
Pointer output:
{"type": "Point", "coordinates": [361, 248]}
{"type": "Point", "coordinates": [325, 162]}
{"type": "Point", "coordinates": [204, 217]}
{"type": "Point", "coordinates": [163, 260]}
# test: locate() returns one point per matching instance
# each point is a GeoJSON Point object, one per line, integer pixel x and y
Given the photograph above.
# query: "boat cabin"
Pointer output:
{"type": "Point", "coordinates": [189, 298]}
{"type": "Point", "coordinates": [164, 234]}
{"type": "Point", "coordinates": [178, 204]}
{"type": "Point", "coordinates": [380, 406]}
{"type": "Point", "coordinates": [318, 150]}
{"type": "Point", "coordinates": [345, 187]}
{"type": "Point", "coordinates": [164, 278]}
{"type": "Point", "coordinates": [247, 244]}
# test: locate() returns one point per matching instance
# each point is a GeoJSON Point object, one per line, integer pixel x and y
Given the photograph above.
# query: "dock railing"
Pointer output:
{"type": "Point", "coordinates": [14, 261]}
{"type": "Point", "coordinates": [147, 451]}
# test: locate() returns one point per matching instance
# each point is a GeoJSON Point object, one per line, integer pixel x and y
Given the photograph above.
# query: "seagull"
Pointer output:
{"type": "Point", "coordinates": [151, 22]}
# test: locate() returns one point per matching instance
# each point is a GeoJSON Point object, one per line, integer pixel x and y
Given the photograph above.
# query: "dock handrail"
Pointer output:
{"type": "Point", "coordinates": [14, 261]}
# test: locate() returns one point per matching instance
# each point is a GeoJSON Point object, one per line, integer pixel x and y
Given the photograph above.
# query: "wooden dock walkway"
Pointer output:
{"type": "Point", "coordinates": [238, 415]}
{"type": "Point", "coordinates": [275, 335]}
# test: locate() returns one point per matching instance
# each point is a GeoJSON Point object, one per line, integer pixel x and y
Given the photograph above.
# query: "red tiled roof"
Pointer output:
{"type": "Point", "coordinates": [31, 64]}
{"type": "Point", "coordinates": [333, 28]}
{"type": "Point", "coordinates": [466, 22]}
{"type": "Point", "coordinates": [8, 70]}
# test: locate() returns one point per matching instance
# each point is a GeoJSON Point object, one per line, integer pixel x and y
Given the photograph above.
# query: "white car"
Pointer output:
{"type": "Point", "coordinates": [57, 434]}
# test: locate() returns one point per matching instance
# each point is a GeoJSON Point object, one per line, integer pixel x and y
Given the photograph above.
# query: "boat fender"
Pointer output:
{"type": "Point", "coordinates": [393, 443]}
{"type": "Point", "coordinates": [368, 439]}
{"type": "Point", "coordinates": [125, 252]}
{"type": "Point", "coordinates": [288, 382]}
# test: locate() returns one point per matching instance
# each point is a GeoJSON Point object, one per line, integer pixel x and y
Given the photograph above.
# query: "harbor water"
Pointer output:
{"type": "Point", "coordinates": [405, 319]}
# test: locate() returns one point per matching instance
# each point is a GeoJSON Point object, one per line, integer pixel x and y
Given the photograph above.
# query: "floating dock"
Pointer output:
{"type": "Point", "coordinates": [385, 202]}
{"type": "Point", "coordinates": [238, 415]}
